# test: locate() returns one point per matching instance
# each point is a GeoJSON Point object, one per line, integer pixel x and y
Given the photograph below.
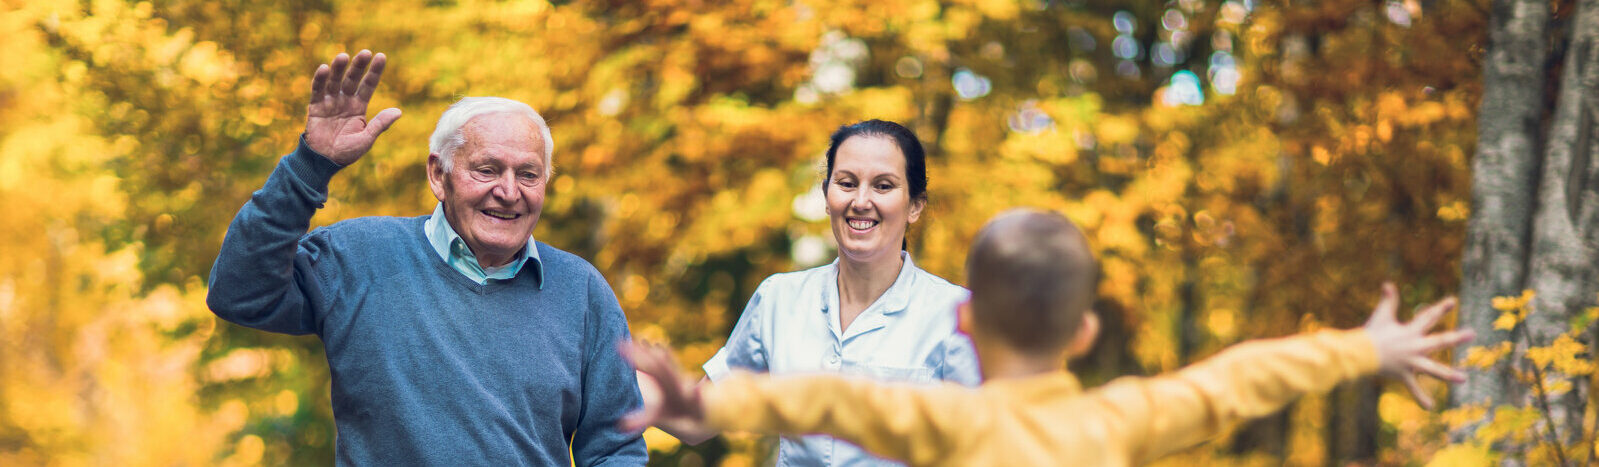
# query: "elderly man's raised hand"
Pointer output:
{"type": "Point", "coordinates": [336, 124]}
{"type": "Point", "coordinates": [1402, 348]}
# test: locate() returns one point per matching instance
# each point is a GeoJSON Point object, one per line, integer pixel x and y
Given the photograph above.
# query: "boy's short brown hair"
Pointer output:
{"type": "Point", "coordinates": [1032, 277]}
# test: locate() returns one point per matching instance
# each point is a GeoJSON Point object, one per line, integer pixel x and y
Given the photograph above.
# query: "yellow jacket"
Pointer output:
{"type": "Point", "coordinates": [1047, 419]}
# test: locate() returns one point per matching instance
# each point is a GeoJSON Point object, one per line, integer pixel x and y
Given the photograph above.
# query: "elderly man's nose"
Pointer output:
{"type": "Point", "coordinates": [505, 188]}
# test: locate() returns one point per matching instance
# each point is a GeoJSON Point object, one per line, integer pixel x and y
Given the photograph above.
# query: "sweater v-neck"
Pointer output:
{"type": "Point", "coordinates": [420, 243]}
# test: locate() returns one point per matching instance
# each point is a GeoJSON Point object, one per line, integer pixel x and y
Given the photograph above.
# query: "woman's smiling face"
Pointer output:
{"type": "Point", "coordinates": [869, 200]}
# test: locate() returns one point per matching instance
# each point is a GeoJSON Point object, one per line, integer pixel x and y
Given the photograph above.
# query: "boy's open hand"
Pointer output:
{"type": "Point", "coordinates": [669, 397]}
{"type": "Point", "coordinates": [1402, 348]}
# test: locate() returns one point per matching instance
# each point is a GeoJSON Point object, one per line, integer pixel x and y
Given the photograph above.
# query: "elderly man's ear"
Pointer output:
{"type": "Point", "coordinates": [436, 175]}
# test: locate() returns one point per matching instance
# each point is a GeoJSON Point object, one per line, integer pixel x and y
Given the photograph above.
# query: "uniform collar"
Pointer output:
{"type": "Point", "coordinates": [894, 300]}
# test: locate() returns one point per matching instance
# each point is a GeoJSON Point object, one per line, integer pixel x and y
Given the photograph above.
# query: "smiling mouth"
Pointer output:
{"type": "Point", "coordinates": [501, 215]}
{"type": "Point", "coordinates": [861, 224]}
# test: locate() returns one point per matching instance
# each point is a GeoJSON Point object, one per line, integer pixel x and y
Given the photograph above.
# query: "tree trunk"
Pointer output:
{"type": "Point", "coordinates": [1534, 206]}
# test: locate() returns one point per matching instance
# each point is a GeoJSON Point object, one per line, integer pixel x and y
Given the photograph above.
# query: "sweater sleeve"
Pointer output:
{"type": "Point", "coordinates": [1163, 414]}
{"type": "Point", "coordinates": [265, 276]}
{"type": "Point", "coordinates": [610, 387]}
{"type": "Point", "coordinates": [918, 425]}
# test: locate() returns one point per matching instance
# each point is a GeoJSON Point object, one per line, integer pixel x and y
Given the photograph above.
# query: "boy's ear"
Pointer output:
{"type": "Point", "coordinates": [963, 317]}
{"type": "Point", "coordinates": [1083, 341]}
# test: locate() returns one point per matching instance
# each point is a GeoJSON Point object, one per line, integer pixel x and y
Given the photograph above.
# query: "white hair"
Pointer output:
{"type": "Point", "coordinates": [447, 135]}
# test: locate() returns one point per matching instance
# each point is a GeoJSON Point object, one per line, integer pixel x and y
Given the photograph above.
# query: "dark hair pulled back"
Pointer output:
{"type": "Point", "coordinates": [915, 157]}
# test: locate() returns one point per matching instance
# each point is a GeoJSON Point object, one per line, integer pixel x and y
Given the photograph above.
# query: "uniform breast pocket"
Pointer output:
{"type": "Point", "coordinates": [912, 374]}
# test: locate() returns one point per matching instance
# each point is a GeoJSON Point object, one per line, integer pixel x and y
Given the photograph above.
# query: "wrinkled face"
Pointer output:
{"type": "Point", "coordinates": [868, 199]}
{"type": "Point", "coordinates": [494, 190]}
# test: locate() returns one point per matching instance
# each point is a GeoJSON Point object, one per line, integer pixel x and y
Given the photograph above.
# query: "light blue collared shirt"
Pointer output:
{"type": "Point", "coordinates": [791, 326]}
{"type": "Point", "coordinates": [452, 248]}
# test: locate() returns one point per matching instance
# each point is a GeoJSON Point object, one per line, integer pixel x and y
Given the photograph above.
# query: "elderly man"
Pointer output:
{"type": "Point", "coordinates": [453, 338]}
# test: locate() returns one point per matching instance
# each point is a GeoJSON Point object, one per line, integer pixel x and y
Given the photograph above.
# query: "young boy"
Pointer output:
{"type": "Point", "coordinates": [1032, 280]}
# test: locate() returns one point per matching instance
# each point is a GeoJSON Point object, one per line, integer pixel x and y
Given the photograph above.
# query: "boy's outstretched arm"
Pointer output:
{"type": "Point", "coordinates": [1171, 412]}
{"type": "Point", "coordinates": [917, 425]}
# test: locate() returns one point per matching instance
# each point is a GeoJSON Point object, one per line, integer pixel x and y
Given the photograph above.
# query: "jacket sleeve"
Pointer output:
{"type": "Point", "coordinates": [918, 425]}
{"type": "Point", "coordinates": [1163, 414]}
{"type": "Point", "coordinates": [266, 276]}
{"type": "Point", "coordinates": [610, 387]}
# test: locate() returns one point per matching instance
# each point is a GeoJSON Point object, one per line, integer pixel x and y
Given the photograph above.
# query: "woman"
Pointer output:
{"type": "Point", "coordinates": [871, 312]}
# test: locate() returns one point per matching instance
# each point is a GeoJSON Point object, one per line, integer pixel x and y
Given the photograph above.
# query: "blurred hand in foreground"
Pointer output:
{"type": "Point", "coordinates": [1402, 348]}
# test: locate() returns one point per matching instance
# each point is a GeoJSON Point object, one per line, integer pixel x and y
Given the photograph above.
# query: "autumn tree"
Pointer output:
{"type": "Point", "coordinates": [1533, 238]}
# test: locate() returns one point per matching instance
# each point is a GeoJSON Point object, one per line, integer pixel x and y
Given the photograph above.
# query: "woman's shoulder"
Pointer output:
{"type": "Point", "coordinates": [786, 283]}
{"type": "Point", "coordinates": [929, 285]}
{"type": "Point", "coordinates": [782, 293]}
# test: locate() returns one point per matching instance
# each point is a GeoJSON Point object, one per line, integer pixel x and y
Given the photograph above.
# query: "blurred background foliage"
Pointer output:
{"type": "Point", "coordinates": [1245, 169]}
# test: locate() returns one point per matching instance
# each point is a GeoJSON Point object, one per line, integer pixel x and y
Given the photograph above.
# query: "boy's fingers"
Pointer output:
{"type": "Point", "coordinates": [1416, 391]}
{"type": "Point", "coordinates": [1438, 370]}
{"type": "Point", "coordinates": [1446, 339]}
{"type": "Point", "coordinates": [638, 420]}
{"type": "Point", "coordinates": [1388, 307]}
{"type": "Point", "coordinates": [1430, 315]}
{"type": "Point", "coordinates": [625, 348]}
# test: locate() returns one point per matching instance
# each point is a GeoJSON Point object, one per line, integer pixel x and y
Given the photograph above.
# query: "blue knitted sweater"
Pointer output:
{"type": "Point", "coordinates": [430, 368]}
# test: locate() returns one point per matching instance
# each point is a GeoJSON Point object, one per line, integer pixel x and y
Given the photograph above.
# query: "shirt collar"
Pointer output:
{"type": "Point", "coordinates": [453, 250]}
{"type": "Point", "coordinates": [898, 296]}
{"type": "Point", "coordinates": [894, 300]}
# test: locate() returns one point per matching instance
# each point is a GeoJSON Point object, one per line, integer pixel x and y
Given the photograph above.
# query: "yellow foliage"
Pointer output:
{"type": "Point", "coordinates": [1486, 357]}
{"type": "Point", "coordinates": [1507, 320]}
{"type": "Point", "coordinates": [1565, 354]}
{"type": "Point", "coordinates": [1463, 455]}
{"type": "Point", "coordinates": [1515, 309]}
{"type": "Point", "coordinates": [660, 441]}
{"type": "Point", "coordinates": [1512, 423]}
{"type": "Point", "coordinates": [1514, 303]}
{"type": "Point", "coordinates": [1461, 416]}
{"type": "Point", "coordinates": [1113, 130]}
